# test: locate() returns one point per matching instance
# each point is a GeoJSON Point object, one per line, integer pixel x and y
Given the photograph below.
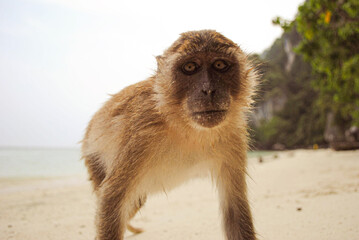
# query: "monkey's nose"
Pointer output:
{"type": "Point", "coordinates": [209, 92]}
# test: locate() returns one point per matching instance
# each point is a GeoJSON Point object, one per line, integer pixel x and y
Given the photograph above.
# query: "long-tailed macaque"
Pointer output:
{"type": "Point", "coordinates": [189, 117]}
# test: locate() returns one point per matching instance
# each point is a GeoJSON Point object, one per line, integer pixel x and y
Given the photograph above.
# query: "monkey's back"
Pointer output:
{"type": "Point", "coordinates": [117, 125]}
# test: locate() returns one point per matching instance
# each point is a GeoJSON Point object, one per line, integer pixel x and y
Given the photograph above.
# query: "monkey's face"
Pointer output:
{"type": "Point", "coordinates": [203, 79]}
{"type": "Point", "coordinates": [205, 84]}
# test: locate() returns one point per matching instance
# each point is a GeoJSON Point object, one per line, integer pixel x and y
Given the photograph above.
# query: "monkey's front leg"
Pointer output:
{"type": "Point", "coordinates": [112, 211]}
{"type": "Point", "coordinates": [237, 218]}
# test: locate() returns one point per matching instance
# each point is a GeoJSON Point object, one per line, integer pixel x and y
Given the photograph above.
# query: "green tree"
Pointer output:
{"type": "Point", "coordinates": [330, 43]}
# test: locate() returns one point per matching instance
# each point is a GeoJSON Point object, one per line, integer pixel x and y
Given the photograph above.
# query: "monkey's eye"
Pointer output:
{"type": "Point", "coordinates": [220, 65]}
{"type": "Point", "coordinates": [190, 67]}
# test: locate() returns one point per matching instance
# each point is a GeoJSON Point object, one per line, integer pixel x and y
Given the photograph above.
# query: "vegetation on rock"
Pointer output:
{"type": "Point", "coordinates": [325, 34]}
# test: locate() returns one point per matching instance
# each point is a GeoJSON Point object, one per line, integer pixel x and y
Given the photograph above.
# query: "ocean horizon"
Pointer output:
{"type": "Point", "coordinates": [40, 162]}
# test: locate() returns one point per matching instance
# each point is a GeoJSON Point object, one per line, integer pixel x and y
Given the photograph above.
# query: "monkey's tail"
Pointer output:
{"type": "Point", "coordinates": [133, 229]}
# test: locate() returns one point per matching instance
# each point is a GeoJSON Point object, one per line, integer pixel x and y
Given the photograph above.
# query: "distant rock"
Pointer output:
{"type": "Point", "coordinates": [278, 147]}
{"type": "Point", "coordinates": [340, 146]}
{"type": "Point", "coordinates": [352, 134]}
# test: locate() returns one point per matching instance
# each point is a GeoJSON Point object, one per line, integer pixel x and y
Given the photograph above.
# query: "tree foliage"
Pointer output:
{"type": "Point", "coordinates": [330, 43]}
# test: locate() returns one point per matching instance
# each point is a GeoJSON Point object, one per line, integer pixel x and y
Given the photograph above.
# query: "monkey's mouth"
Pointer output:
{"type": "Point", "coordinates": [210, 112]}
{"type": "Point", "coordinates": [209, 118]}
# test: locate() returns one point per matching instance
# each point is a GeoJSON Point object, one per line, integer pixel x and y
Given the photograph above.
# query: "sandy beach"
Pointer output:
{"type": "Point", "coordinates": [301, 194]}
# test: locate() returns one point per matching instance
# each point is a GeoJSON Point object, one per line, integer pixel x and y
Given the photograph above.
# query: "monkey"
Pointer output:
{"type": "Point", "coordinates": [188, 119]}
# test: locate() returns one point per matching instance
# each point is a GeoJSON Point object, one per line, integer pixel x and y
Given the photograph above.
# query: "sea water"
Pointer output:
{"type": "Point", "coordinates": [43, 162]}
{"type": "Point", "coordinates": [40, 162]}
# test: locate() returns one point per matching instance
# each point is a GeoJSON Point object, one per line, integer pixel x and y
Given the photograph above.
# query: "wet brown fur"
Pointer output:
{"type": "Point", "coordinates": [142, 141]}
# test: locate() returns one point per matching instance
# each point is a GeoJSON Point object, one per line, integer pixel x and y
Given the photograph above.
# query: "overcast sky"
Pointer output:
{"type": "Point", "coordinates": [59, 59]}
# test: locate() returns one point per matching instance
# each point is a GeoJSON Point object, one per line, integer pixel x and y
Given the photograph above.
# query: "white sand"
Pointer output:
{"type": "Point", "coordinates": [300, 195]}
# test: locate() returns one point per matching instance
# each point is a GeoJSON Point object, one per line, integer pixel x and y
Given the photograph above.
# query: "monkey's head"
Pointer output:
{"type": "Point", "coordinates": [202, 76]}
